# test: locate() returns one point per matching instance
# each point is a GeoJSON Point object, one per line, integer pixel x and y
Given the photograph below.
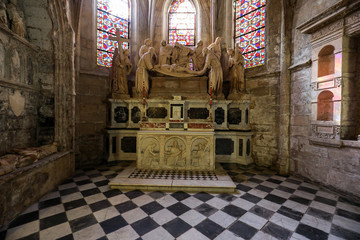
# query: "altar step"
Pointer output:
{"type": "Point", "coordinates": [131, 178]}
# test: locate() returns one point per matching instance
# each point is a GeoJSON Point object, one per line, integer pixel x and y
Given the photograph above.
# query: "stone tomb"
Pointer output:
{"type": "Point", "coordinates": [175, 150]}
{"type": "Point", "coordinates": [187, 87]}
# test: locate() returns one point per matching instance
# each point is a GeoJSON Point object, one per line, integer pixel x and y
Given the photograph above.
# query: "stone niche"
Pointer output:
{"type": "Point", "coordinates": [334, 82]}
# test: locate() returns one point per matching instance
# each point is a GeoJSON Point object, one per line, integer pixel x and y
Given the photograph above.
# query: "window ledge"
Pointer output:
{"type": "Point", "coordinates": [334, 143]}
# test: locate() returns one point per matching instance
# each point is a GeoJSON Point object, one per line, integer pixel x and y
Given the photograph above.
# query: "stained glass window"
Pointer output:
{"type": "Point", "coordinates": [182, 16]}
{"type": "Point", "coordinates": [111, 14]}
{"type": "Point", "coordinates": [250, 30]}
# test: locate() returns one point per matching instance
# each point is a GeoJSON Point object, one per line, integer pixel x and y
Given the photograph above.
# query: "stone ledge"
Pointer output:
{"type": "Point", "coordinates": [334, 143]}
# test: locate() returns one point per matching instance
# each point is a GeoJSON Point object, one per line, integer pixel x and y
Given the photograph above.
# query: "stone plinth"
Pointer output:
{"type": "Point", "coordinates": [164, 150]}
{"type": "Point", "coordinates": [189, 87]}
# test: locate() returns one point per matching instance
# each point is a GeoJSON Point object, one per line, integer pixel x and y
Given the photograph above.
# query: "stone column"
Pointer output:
{"type": "Point", "coordinates": [285, 85]}
{"type": "Point", "coordinates": [213, 19]}
{"type": "Point", "coordinates": [64, 74]}
{"type": "Point", "coordinates": [350, 86]}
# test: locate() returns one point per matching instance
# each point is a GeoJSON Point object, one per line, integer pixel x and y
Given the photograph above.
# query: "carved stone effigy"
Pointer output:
{"type": "Point", "coordinates": [16, 17]}
{"type": "Point", "coordinates": [164, 150]}
{"type": "Point", "coordinates": [3, 15]}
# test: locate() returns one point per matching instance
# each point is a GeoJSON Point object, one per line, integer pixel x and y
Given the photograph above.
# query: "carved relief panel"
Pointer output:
{"type": "Point", "coordinates": [175, 150]}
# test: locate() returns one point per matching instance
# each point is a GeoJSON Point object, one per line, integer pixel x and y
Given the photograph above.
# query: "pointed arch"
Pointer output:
{"type": "Point", "coordinates": [172, 7]}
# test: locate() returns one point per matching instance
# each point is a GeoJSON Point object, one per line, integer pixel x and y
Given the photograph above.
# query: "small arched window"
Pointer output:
{"type": "Point", "coordinates": [326, 63]}
{"type": "Point", "coordinates": [250, 30]}
{"type": "Point", "coordinates": [182, 22]}
{"type": "Point", "coordinates": [325, 106]}
{"type": "Point", "coordinates": [111, 14]}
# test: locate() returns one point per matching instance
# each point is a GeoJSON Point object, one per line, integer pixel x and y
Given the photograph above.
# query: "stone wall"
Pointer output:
{"type": "Point", "coordinates": [92, 89]}
{"type": "Point", "coordinates": [339, 166]}
{"type": "Point", "coordinates": [263, 85]}
{"type": "Point", "coordinates": [27, 69]}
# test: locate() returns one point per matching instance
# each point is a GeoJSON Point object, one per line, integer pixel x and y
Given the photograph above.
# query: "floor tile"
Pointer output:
{"type": "Point", "coordinates": [178, 208]}
{"type": "Point", "coordinates": [343, 233]}
{"type": "Point", "coordinates": [203, 196]}
{"type": "Point", "coordinates": [217, 203]}
{"type": "Point", "coordinates": [53, 220]}
{"type": "Point", "coordinates": [78, 212]}
{"type": "Point", "coordinates": [24, 218]}
{"type": "Point", "coordinates": [151, 208]}
{"type": "Point", "coordinates": [276, 231]}
{"type": "Point", "coordinates": [163, 216]}
{"type": "Point", "coordinates": [82, 222]}
{"type": "Point", "coordinates": [56, 232]}
{"type": "Point", "coordinates": [227, 235]}
{"type": "Point", "coordinates": [23, 230]}
{"type": "Point", "coordinates": [90, 233]}
{"type": "Point", "coordinates": [192, 217]}
{"type": "Point", "coordinates": [310, 232]}
{"type": "Point", "coordinates": [144, 226]}
{"type": "Point", "coordinates": [244, 204]}
{"type": "Point", "coordinates": [318, 223]}
{"type": "Point", "coordinates": [126, 232]}
{"type": "Point", "coordinates": [320, 214]}
{"type": "Point", "coordinates": [234, 211]}
{"type": "Point", "coordinates": [95, 198]}
{"type": "Point", "coordinates": [209, 228]}
{"type": "Point", "coordinates": [180, 195]}
{"type": "Point", "coordinates": [222, 218]}
{"type": "Point", "coordinates": [291, 213]}
{"type": "Point", "coordinates": [134, 215]}
{"type": "Point", "coordinates": [253, 220]}
{"type": "Point", "coordinates": [192, 202]}
{"type": "Point", "coordinates": [284, 222]}
{"type": "Point", "coordinates": [346, 223]}
{"type": "Point", "coordinates": [176, 227]}
{"type": "Point", "coordinates": [125, 207]}
{"type": "Point", "coordinates": [113, 224]}
{"type": "Point", "coordinates": [142, 200]}
{"type": "Point", "coordinates": [262, 212]}
{"type": "Point", "coordinates": [192, 234]}
{"type": "Point", "coordinates": [158, 234]}
{"type": "Point", "coordinates": [243, 230]}
{"type": "Point", "coordinates": [266, 207]}
{"type": "Point", "coordinates": [206, 209]}
{"type": "Point", "coordinates": [106, 214]}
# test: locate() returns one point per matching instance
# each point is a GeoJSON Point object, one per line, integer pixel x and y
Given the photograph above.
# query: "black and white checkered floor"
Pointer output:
{"type": "Point", "coordinates": [267, 206]}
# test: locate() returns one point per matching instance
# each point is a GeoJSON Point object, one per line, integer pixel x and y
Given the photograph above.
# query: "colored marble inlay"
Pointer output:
{"type": "Point", "coordinates": [111, 15]}
{"type": "Point", "coordinates": [182, 17]}
{"type": "Point", "coordinates": [250, 30]}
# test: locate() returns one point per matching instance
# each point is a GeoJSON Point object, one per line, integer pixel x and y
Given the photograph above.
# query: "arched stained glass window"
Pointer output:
{"type": "Point", "coordinates": [111, 14]}
{"type": "Point", "coordinates": [250, 30]}
{"type": "Point", "coordinates": [182, 15]}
